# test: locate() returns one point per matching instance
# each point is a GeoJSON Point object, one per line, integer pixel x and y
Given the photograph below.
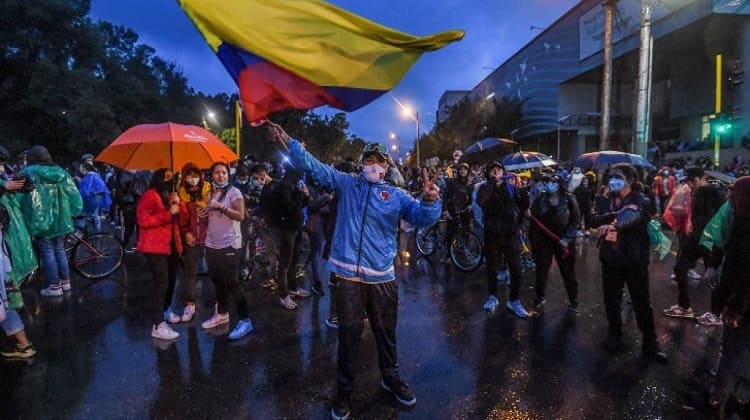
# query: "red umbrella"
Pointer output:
{"type": "Point", "coordinates": [165, 145]}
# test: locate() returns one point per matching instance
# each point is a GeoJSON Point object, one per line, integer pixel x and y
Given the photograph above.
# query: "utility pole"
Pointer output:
{"type": "Point", "coordinates": [643, 106]}
{"type": "Point", "coordinates": [609, 6]}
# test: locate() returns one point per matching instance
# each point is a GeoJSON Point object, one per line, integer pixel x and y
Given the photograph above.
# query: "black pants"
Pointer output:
{"type": "Point", "coordinates": [164, 273]}
{"type": "Point", "coordinates": [495, 248]}
{"type": "Point", "coordinates": [186, 285]}
{"type": "Point", "coordinates": [614, 279]}
{"type": "Point", "coordinates": [380, 302]}
{"type": "Point", "coordinates": [224, 270]}
{"type": "Point", "coordinates": [288, 243]}
{"type": "Point", "coordinates": [543, 250]}
{"type": "Point", "coordinates": [128, 223]}
{"type": "Point", "coordinates": [688, 253]}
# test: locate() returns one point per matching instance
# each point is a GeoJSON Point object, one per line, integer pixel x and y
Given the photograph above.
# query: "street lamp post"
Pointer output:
{"type": "Point", "coordinates": [415, 117]}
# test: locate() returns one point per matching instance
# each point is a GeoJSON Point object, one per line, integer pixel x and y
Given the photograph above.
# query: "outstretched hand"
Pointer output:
{"type": "Point", "coordinates": [277, 134]}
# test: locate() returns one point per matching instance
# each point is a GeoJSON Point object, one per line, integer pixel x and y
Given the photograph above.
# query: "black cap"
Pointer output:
{"type": "Point", "coordinates": [694, 172]}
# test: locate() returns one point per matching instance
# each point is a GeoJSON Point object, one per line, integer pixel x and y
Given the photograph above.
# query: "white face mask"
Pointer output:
{"type": "Point", "coordinates": [193, 181]}
{"type": "Point", "coordinates": [373, 173]}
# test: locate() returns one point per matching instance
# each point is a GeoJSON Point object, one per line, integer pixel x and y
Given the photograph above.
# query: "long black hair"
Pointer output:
{"type": "Point", "coordinates": [161, 186]}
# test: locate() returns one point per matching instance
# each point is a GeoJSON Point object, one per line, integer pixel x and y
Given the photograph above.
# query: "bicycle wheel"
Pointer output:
{"type": "Point", "coordinates": [466, 250]}
{"type": "Point", "coordinates": [426, 239]}
{"type": "Point", "coordinates": [97, 255]}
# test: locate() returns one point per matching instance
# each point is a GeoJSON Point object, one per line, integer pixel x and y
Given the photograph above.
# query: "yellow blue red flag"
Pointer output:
{"type": "Point", "coordinates": [306, 53]}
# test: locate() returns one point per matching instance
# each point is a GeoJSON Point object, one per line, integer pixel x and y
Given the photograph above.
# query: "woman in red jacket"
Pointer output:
{"type": "Point", "coordinates": [158, 215]}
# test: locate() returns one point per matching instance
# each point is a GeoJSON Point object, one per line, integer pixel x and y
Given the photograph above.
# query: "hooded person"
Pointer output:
{"type": "Point", "coordinates": [49, 210]}
{"type": "Point", "coordinates": [95, 194]}
{"type": "Point", "coordinates": [575, 179]}
{"type": "Point", "coordinates": [363, 250]}
{"type": "Point", "coordinates": [502, 206]}
{"type": "Point", "coordinates": [194, 192]}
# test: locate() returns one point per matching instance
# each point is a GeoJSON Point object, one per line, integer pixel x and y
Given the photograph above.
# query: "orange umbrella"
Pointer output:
{"type": "Point", "coordinates": [166, 145]}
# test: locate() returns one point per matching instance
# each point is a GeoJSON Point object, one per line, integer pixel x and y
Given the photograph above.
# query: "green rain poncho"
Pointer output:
{"type": "Point", "coordinates": [18, 240]}
{"type": "Point", "coordinates": [50, 208]}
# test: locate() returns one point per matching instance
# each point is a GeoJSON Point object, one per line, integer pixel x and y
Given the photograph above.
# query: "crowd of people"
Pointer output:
{"type": "Point", "coordinates": [349, 213]}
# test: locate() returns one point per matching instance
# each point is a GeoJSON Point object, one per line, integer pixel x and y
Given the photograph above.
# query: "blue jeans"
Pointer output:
{"type": "Point", "coordinates": [12, 323]}
{"type": "Point", "coordinates": [54, 259]}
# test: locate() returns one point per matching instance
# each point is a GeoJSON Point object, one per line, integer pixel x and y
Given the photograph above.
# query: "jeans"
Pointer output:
{"type": "Point", "coordinates": [689, 252]}
{"type": "Point", "coordinates": [54, 259]}
{"type": "Point", "coordinates": [12, 323]}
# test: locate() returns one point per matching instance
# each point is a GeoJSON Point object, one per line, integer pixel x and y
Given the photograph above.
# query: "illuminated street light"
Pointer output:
{"type": "Point", "coordinates": [414, 115]}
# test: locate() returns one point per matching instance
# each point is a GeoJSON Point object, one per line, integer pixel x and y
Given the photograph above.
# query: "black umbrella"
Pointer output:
{"type": "Point", "coordinates": [487, 149]}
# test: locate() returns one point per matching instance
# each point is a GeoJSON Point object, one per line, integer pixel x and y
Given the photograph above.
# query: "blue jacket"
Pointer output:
{"type": "Point", "coordinates": [364, 240]}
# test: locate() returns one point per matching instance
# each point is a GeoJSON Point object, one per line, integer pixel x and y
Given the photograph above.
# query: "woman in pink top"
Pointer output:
{"type": "Point", "coordinates": [226, 209]}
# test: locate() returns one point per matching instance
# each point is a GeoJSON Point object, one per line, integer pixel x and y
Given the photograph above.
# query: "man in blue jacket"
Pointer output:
{"type": "Point", "coordinates": [362, 254]}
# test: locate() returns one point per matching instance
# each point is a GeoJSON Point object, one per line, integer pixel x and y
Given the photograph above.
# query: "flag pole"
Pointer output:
{"type": "Point", "coordinates": [237, 126]}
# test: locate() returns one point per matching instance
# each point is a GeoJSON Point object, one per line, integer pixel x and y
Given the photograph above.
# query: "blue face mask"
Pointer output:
{"type": "Point", "coordinates": [616, 184]}
{"type": "Point", "coordinates": [552, 187]}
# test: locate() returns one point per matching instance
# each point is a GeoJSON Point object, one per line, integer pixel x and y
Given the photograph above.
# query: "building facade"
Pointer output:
{"type": "Point", "coordinates": [558, 75]}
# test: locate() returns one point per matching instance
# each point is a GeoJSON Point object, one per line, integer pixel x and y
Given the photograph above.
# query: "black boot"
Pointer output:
{"type": "Point", "coordinates": [652, 352]}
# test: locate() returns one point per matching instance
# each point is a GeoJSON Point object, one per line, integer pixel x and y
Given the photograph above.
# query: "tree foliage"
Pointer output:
{"type": "Point", "coordinates": [74, 85]}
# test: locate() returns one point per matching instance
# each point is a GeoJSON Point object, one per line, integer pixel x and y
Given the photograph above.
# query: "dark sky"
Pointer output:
{"type": "Point", "coordinates": [495, 29]}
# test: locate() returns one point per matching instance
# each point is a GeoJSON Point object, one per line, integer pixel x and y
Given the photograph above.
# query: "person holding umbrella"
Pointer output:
{"type": "Point", "coordinates": [158, 214]}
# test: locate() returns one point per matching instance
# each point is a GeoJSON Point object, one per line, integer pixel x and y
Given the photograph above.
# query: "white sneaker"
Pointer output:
{"type": "Point", "coordinates": [65, 284]}
{"type": "Point", "coordinates": [693, 274]}
{"type": "Point", "coordinates": [54, 290]}
{"type": "Point", "coordinates": [215, 321]}
{"type": "Point", "coordinates": [709, 319]}
{"type": "Point", "coordinates": [188, 312]}
{"type": "Point", "coordinates": [164, 332]}
{"type": "Point", "coordinates": [171, 317]}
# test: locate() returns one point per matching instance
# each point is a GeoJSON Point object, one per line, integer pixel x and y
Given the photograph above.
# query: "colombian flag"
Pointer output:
{"type": "Point", "coordinates": [306, 53]}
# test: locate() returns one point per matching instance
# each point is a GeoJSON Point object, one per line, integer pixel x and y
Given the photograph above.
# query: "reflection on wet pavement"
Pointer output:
{"type": "Point", "coordinates": [97, 360]}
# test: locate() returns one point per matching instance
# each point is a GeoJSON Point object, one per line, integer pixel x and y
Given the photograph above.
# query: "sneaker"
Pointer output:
{"type": "Point", "coordinates": [65, 284]}
{"type": "Point", "coordinates": [340, 410]}
{"type": "Point", "coordinates": [287, 302]}
{"type": "Point", "coordinates": [215, 321]}
{"type": "Point", "coordinates": [401, 391]}
{"type": "Point", "coordinates": [673, 276]}
{"type": "Point", "coordinates": [692, 274]}
{"type": "Point", "coordinates": [19, 352]}
{"type": "Point", "coordinates": [579, 234]}
{"type": "Point", "coordinates": [164, 332]}
{"type": "Point", "coordinates": [243, 328]}
{"type": "Point", "coordinates": [317, 289]}
{"type": "Point", "coordinates": [53, 290]}
{"type": "Point", "coordinates": [333, 322]}
{"type": "Point", "coordinates": [188, 313]}
{"type": "Point", "coordinates": [491, 304]}
{"type": "Point", "coordinates": [517, 308]}
{"type": "Point", "coordinates": [573, 307]}
{"type": "Point", "coordinates": [652, 352]}
{"type": "Point", "coordinates": [171, 317]}
{"type": "Point", "coordinates": [709, 319]}
{"type": "Point", "coordinates": [677, 311]}
{"type": "Point", "coordinates": [299, 292]}
{"type": "Point", "coordinates": [503, 275]}
{"type": "Point", "coordinates": [587, 233]}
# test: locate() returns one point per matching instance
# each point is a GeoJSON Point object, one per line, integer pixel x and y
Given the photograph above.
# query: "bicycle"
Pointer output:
{"type": "Point", "coordinates": [464, 246]}
{"type": "Point", "coordinates": [93, 255]}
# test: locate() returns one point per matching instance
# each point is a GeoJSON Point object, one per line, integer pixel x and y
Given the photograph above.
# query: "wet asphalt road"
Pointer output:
{"type": "Point", "coordinates": [97, 360]}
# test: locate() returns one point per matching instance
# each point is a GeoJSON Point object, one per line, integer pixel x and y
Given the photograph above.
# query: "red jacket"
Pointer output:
{"type": "Point", "coordinates": [658, 187]}
{"type": "Point", "coordinates": [157, 228]}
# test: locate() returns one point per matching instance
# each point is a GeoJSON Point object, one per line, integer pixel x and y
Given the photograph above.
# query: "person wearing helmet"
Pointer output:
{"type": "Point", "coordinates": [362, 254]}
{"type": "Point", "coordinates": [502, 206]}
{"type": "Point", "coordinates": [554, 224]}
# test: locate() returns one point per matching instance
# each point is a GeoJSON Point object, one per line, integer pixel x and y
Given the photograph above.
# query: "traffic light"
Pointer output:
{"type": "Point", "coordinates": [722, 124]}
